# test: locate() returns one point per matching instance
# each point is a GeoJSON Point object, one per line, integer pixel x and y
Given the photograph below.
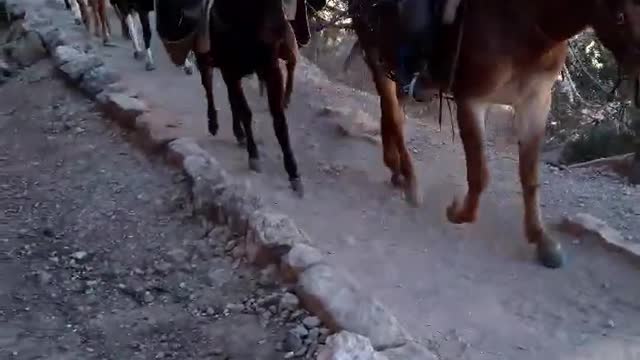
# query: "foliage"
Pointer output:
{"type": "Point", "coordinates": [586, 115]}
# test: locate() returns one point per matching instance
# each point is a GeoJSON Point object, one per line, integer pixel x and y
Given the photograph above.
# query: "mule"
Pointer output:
{"type": "Point", "coordinates": [126, 11]}
{"type": "Point", "coordinates": [494, 52]}
{"type": "Point", "coordinates": [242, 40]}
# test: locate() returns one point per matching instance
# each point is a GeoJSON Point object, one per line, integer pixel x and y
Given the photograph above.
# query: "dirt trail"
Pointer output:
{"type": "Point", "coordinates": [467, 292]}
{"type": "Point", "coordinates": [101, 257]}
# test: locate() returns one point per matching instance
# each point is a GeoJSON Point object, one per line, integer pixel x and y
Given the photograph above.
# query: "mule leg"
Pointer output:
{"type": "Point", "coordinates": [530, 121]}
{"type": "Point", "coordinates": [241, 114]}
{"type": "Point", "coordinates": [395, 153]}
{"type": "Point", "coordinates": [188, 64]}
{"type": "Point", "coordinates": [96, 17]}
{"type": "Point", "coordinates": [77, 11]}
{"type": "Point", "coordinates": [146, 35]}
{"type": "Point", "coordinates": [291, 59]}
{"type": "Point", "coordinates": [137, 51]}
{"type": "Point", "coordinates": [275, 97]}
{"type": "Point", "coordinates": [206, 75]}
{"type": "Point", "coordinates": [291, 68]}
{"type": "Point", "coordinates": [471, 117]}
{"type": "Point", "coordinates": [83, 8]}
{"type": "Point", "coordinates": [104, 21]}
{"type": "Point", "coordinates": [67, 5]}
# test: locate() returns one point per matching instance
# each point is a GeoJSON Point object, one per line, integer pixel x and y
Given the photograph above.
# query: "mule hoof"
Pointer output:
{"type": "Point", "coordinates": [138, 55]}
{"type": "Point", "coordinates": [550, 254]}
{"type": "Point", "coordinates": [297, 187]}
{"type": "Point", "coordinates": [78, 21]}
{"type": "Point", "coordinates": [108, 43]}
{"type": "Point", "coordinates": [254, 165]}
{"type": "Point", "coordinates": [456, 214]}
{"type": "Point", "coordinates": [149, 67]}
{"type": "Point", "coordinates": [397, 180]}
{"type": "Point", "coordinates": [242, 142]}
{"type": "Point", "coordinates": [413, 197]}
{"type": "Point", "coordinates": [213, 128]}
{"type": "Point", "coordinates": [188, 70]}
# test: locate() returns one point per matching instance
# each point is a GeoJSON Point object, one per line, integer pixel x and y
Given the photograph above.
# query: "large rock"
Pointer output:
{"type": "Point", "coordinates": [75, 63]}
{"type": "Point", "coordinates": [26, 50]}
{"type": "Point", "coordinates": [354, 123]}
{"type": "Point", "coordinates": [342, 305]}
{"type": "Point", "coordinates": [300, 258]}
{"type": "Point", "coordinates": [53, 37]}
{"type": "Point", "coordinates": [349, 346]}
{"type": "Point", "coordinates": [271, 235]}
{"type": "Point", "coordinates": [97, 79]}
{"type": "Point", "coordinates": [123, 108]}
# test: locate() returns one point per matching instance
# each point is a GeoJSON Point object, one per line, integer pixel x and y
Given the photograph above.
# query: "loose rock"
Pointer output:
{"type": "Point", "coordinates": [349, 346]}
{"type": "Point", "coordinates": [311, 322]}
{"type": "Point", "coordinates": [289, 302]}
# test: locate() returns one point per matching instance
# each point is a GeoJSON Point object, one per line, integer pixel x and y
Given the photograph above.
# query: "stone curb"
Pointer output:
{"type": "Point", "coordinates": [585, 224]}
{"type": "Point", "coordinates": [267, 236]}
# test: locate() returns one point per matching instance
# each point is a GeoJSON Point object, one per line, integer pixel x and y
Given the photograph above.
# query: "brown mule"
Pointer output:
{"type": "Point", "coordinates": [510, 52]}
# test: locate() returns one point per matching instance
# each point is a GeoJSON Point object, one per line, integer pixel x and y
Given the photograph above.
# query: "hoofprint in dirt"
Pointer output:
{"type": "Point", "coordinates": [100, 257]}
{"type": "Point", "coordinates": [469, 292]}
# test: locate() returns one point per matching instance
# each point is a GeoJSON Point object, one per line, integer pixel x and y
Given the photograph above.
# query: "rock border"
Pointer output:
{"type": "Point", "coordinates": [267, 237]}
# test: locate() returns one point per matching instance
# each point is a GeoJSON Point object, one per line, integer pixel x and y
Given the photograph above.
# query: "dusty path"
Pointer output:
{"type": "Point", "coordinates": [468, 292]}
{"type": "Point", "coordinates": [100, 257]}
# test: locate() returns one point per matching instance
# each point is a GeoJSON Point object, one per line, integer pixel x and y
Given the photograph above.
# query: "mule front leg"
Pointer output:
{"type": "Point", "coordinates": [530, 121]}
{"type": "Point", "coordinates": [101, 8]}
{"type": "Point", "coordinates": [146, 35]}
{"type": "Point", "coordinates": [206, 75]}
{"type": "Point", "coordinates": [133, 33]}
{"type": "Point", "coordinates": [276, 106]}
{"type": "Point", "coordinates": [242, 118]}
{"type": "Point", "coordinates": [471, 123]}
{"type": "Point", "coordinates": [291, 59]}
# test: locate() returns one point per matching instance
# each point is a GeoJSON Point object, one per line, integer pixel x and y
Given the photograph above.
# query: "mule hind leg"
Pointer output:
{"type": "Point", "coordinates": [471, 117]}
{"type": "Point", "coordinates": [530, 122]}
{"type": "Point", "coordinates": [206, 77]}
{"type": "Point", "coordinates": [396, 156]}
{"type": "Point", "coordinates": [101, 9]}
{"type": "Point", "coordinates": [275, 96]}
{"type": "Point", "coordinates": [146, 35]}
{"type": "Point", "coordinates": [133, 32]}
{"type": "Point", "coordinates": [241, 115]}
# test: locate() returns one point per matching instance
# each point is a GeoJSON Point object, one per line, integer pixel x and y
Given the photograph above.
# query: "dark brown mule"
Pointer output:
{"type": "Point", "coordinates": [511, 52]}
{"type": "Point", "coordinates": [245, 39]}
